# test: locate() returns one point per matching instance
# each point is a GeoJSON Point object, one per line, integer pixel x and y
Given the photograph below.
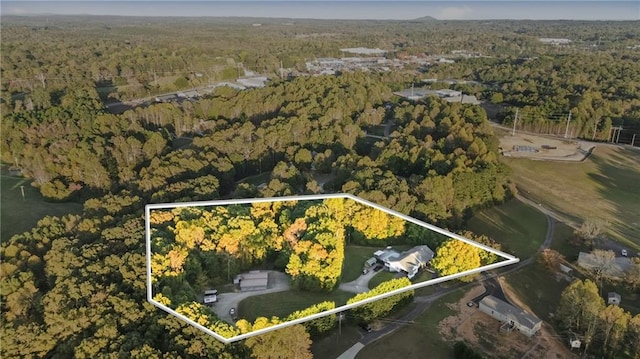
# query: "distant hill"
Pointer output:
{"type": "Point", "coordinates": [425, 18]}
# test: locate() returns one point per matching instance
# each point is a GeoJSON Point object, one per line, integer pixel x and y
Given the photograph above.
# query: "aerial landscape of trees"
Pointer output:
{"type": "Point", "coordinates": [74, 285]}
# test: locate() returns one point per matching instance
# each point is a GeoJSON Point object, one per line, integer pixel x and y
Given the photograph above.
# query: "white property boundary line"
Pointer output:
{"type": "Point", "coordinates": [509, 259]}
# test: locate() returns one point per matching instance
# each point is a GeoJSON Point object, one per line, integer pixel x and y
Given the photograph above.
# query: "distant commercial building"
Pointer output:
{"type": "Point", "coordinates": [256, 81]}
{"type": "Point", "coordinates": [166, 98]}
{"type": "Point", "coordinates": [448, 95]}
{"type": "Point", "coordinates": [554, 41]}
{"type": "Point", "coordinates": [364, 51]}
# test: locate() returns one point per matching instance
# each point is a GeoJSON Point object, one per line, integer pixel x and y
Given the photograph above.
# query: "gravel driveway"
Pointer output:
{"type": "Point", "coordinates": [278, 282]}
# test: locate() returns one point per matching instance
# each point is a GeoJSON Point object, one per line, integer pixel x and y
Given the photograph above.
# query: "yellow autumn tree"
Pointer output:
{"type": "Point", "coordinates": [455, 256]}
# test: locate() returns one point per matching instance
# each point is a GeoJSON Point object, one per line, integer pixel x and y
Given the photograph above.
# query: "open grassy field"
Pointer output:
{"type": "Point", "coordinates": [18, 215]}
{"type": "Point", "coordinates": [420, 339]}
{"type": "Point", "coordinates": [519, 228]}
{"type": "Point", "coordinates": [538, 288]}
{"type": "Point", "coordinates": [605, 186]}
{"type": "Point", "coordinates": [282, 304]}
{"type": "Point", "coordinates": [562, 242]}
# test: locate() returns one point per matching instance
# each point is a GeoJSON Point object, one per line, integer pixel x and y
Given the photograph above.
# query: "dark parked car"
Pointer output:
{"type": "Point", "coordinates": [378, 267]}
{"type": "Point", "coordinates": [366, 327]}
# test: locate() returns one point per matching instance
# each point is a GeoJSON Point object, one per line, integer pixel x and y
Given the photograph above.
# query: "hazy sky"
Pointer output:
{"type": "Point", "coordinates": [339, 9]}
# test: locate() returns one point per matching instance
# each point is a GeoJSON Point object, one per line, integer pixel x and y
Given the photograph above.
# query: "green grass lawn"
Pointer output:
{"type": "Point", "coordinates": [18, 215]}
{"type": "Point", "coordinates": [604, 186]}
{"type": "Point", "coordinates": [562, 236]}
{"type": "Point", "coordinates": [519, 228]}
{"type": "Point", "coordinates": [282, 304]}
{"type": "Point", "coordinates": [354, 258]}
{"type": "Point", "coordinates": [258, 179]}
{"type": "Point", "coordinates": [336, 343]}
{"type": "Point", "coordinates": [420, 339]}
{"type": "Point", "coordinates": [382, 276]}
{"type": "Point", "coordinates": [537, 288]}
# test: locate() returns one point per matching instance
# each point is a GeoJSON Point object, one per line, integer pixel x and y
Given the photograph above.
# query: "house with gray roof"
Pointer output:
{"type": "Point", "coordinates": [615, 269]}
{"type": "Point", "coordinates": [514, 317]}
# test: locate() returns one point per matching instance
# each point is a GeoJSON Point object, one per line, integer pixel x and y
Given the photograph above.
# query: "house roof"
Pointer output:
{"type": "Point", "coordinates": [614, 295]}
{"type": "Point", "coordinates": [386, 255]}
{"type": "Point", "coordinates": [617, 269]}
{"type": "Point", "coordinates": [413, 259]}
{"type": "Point", "coordinates": [508, 310]}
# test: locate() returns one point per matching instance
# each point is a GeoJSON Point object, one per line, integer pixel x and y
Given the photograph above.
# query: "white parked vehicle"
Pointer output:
{"type": "Point", "coordinates": [210, 296]}
{"type": "Point", "coordinates": [624, 252]}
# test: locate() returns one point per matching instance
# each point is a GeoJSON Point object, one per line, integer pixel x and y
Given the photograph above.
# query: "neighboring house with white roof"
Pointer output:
{"type": "Point", "coordinates": [410, 261]}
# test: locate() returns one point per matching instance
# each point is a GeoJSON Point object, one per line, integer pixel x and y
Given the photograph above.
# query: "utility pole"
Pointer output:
{"type": "Point", "coordinates": [595, 129]}
{"type": "Point", "coordinates": [609, 137]}
{"type": "Point", "coordinates": [281, 71]}
{"type": "Point", "coordinates": [566, 131]}
{"type": "Point", "coordinates": [42, 79]}
{"type": "Point", "coordinates": [633, 139]}
{"type": "Point", "coordinates": [515, 120]}
{"type": "Point", "coordinates": [22, 189]}
{"type": "Point", "coordinates": [340, 325]}
{"type": "Point", "coordinates": [618, 137]}
{"type": "Point", "coordinates": [412, 89]}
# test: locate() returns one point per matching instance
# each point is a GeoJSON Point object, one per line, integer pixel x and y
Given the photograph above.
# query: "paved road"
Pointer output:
{"type": "Point", "coordinates": [487, 278]}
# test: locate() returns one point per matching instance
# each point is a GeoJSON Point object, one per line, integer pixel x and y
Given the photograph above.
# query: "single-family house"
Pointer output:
{"type": "Point", "coordinates": [253, 280]}
{"type": "Point", "coordinates": [507, 313]}
{"type": "Point", "coordinates": [615, 269]}
{"type": "Point", "coordinates": [410, 261]}
{"type": "Point", "coordinates": [613, 298]}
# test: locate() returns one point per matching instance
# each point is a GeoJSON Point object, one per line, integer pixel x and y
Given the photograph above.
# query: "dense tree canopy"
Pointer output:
{"type": "Point", "coordinates": [74, 285]}
{"type": "Point", "coordinates": [610, 330]}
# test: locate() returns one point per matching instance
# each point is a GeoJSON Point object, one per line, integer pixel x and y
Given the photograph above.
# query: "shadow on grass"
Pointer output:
{"type": "Point", "coordinates": [618, 178]}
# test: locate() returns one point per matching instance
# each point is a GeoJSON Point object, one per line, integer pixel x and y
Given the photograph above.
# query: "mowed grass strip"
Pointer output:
{"type": "Point", "coordinates": [519, 228]}
{"type": "Point", "coordinates": [606, 186]}
{"type": "Point", "coordinates": [562, 242]}
{"type": "Point", "coordinates": [282, 304]}
{"type": "Point", "coordinates": [538, 288]}
{"type": "Point", "coordinates": [18, 215]}
{"type": "Point", "coordinates": [420, 339]}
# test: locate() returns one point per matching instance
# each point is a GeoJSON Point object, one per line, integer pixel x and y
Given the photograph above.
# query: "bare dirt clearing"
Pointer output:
{"type": "Point", "coordinates": [544, 148]}
{"type": "Point", "coordinates": [482, 331]}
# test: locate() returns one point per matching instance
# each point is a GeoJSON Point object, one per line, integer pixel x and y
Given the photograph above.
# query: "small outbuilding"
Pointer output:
{"type": "Point", "coordinates": [515, 318]}
{"type": "Point", "coordinates": [574, 343]}
{"type": "Point", "coordinates": [613, 298]}
{"type": "Point", "coordinates": [254, 280]}
{"type": "Point", "coordinates": [371, 261]}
